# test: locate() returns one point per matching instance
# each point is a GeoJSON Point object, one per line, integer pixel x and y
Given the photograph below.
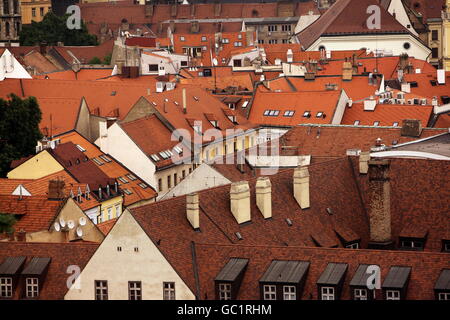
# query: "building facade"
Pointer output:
{"type": "Point", "coordinates": [34, 10]}
{"type": "Point", "coordinates": [10, 20]}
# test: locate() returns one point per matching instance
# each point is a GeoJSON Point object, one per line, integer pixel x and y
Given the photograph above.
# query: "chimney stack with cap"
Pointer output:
{"type": "Point", "coordinates": [264, 196]}
{"type": "Point", "coordinates": [240, 201]}
{"type": "Point", "coordinates": [301, 186]}
{"type": "Point", "coordinates": [184, 101]}
{"type": "Point", "coordinates": [56, 189]}
{"type": "Point", "coordinates": [192, 210]}
{"type": "Point", "coordinates": [379, 204]}
{"type": "Point", "coordinates": [364, 158]}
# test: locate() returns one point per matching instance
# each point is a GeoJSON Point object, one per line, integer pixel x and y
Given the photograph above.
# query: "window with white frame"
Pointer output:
{"type": "Point", "coordinates": [289, 293]}
{"type": "Point", "coordinates": [203, 38]}
{"type": "Point", "coordinates": [135, 290]}
{"type": "Point", "coordinates": [225, 40]}
{"type": "Point", "coordinates": [360, 294]}
{"type": "Point", "coordinates": [444, 296]}
{"type": "Point", "coordinates": [270, 292]}
{"type": "Point", "coordinates": [392, 295]}
{"type": "Point", "coordinates": [101, 290]}
{"type": "Point", "coordinates": [224, 291]}
{"type": "Point", "coordinates": [169, 290]}
{"type": "Point", "coordinates": [32, 287]}
{"type": "Point", "coordinates": [238, 44]}
{"type": "Point", "coordinates": [327, 293]}
{"type": "Point", "coordinates": [182, 38]}
{"type": "Point", "coordinates": [412, 244]}
{"type": "Point", "coordinates": [272, 28]}
{"type": "Point", "coordinates": [5, 287]}
{"type": "Point", "coordinates": [354, 245]}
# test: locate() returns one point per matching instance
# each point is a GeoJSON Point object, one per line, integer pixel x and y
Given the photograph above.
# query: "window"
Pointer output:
{"type": "Point", "coordinates": [239, 36]}
{"type": "Point", "coordinates": [307, 114]}
{"type": "Point", "coordinates": [105, 158]}
{"type": "Point", "coordinates": [273, 41]}
{"type": "Point", "coordinates": [6, 287]}
{"type": "Point", "coordinates": [160, 185]}
{"type": "Point", "coordinates": [272, 28]}
{"type": "Point", "coordinates": [237, 63]}
{"type": "Point", "coordinates": [319, 114]}
{"type": "Point", "coordinates": [360, 294]}
{"type": "Point", "coordinates": [131, 177]}
{"type": "Point", "coordinates": [395, 124]}
{"type": "Point", "coordinates": [32, 287]}
{"type": "Point", "coordinates": [446, 245]}
{"type": "Point", "coordinates": [122, 179]}
{"type": "Point", "coordinates": [175, 179]}
{"type": "Point", "coordinates": [203, 39]}
{"type": "Point", "coordinates": [169, 290]}
{"type": "Point", "coordinates": [392, 295]}
{"type": "Point", "coordinates": [435, 52]}
{"type": "Point", "coordinates": [286, 27]}
{"type": "Point", "coordinates": [327, 293]}
{"type": "Point", "coordinates": [224, 291]}
{"type": "Point", "coordinates": [97, 161]}
{"type": "Point", "coordinates": [289, 113]}
{"type": "Point", "coordinates": [406, 45]}
{"type": "Point", "coordinates": [184, 63]}
{"type": "Point", "coordinates": [153, 68]}
{"type": "Point", "coordinates": [127, 192]}
{"type": "Point", "coordinates": [238, 44]}
{"type": "Point", "coordinates": [225, 40]}
{"type": "Point", "coordinates": [101, 290]}
{"type": "Point", "coordinates": [118, 210]}
{"type": "Point", "coordinates": [411, 244]}
{"type": "Point", "coordinates": [33, 12]}
{"type": "Point", "coordinates": [270, 292]}
{"type": "Point", "coordinates": [444, 296]}
{"type": "Point", "coordinates": [109, 213]}
{"type": "Point", "coordinates": [356, 123]}
{"type": "Point", "coordinates": [41, 10]}
{"type": "Point", "coordinates": [285, 41]}
{"type": "Point", "coordinates": [261, 41]}
{"type": "Point", "coordinates": [434, 35]}
{"type": "Point", "coordinates": [376, 123]}
{"type": "Point", "coordinates": [169, 182]}
{"type": "Point", "coordinates": [143, 185]}
{"type": "Point", "coordinates": [182, 38]}
{"type": "Point", "coordinates": [289, 293]}
{"type": "Point", "coordinates": [353, 245]}
{"type": "Point", "coordinates": [134, 290]}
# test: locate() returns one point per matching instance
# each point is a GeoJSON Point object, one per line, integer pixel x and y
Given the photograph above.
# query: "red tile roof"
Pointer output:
{"type": "Point", "coordinates": [426, 267]}
{"type": "Point", "coordinates": [62, 256]}
{"type": "Point", "coordinates": [425, 87]}
{"type": "Point", "coordinates": [105, 227]}
{"type": "Point", "coordinates": [386, 114]}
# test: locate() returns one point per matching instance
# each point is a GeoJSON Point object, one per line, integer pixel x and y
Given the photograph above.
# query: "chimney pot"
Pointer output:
{"type": "Point", "coordinates": [301, 186]}
{"type": "Point", "coordinates": [192, 210]}
{"type": "Point", "coordinates": [264, 196]}
{"type": "Point", "coordinates": [240, 201]}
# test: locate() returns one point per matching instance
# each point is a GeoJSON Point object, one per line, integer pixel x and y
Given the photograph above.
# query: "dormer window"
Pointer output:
{"type": "Point", "coordinates": [225, 291]}
{"type": "Point", "coordinates": [289, 113]}
{"type": "Point", "coordinates": [412, 244]}
{"type": "Point", "coordinates": [327, 293]}
{"type": "Point", "coordinates": [228, 281]}
{"type": "Point", "coordinates": [392, 295]}
{"type": "Point", "coordinates": [215, 123]}
{"type": "Point", "coordinates": [445, 245]}
{"type": "Point", "coordinates": [232, 119]}
{"type": "Point", "coordinates": [442, 286]}
{"type": "Point", "coordinates": [307, 114]}
{"type": "Point", "coordinates": [331, 281]}
{"type": "Point", "coordinates": [32, 287]}
{"type": "Point", "coordinates": [396, 283]}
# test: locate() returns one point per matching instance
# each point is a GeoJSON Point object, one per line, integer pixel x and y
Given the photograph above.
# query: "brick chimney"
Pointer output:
{"type": "Point", "coordinates": [411, 128]}
{"type": "Point", "coordinates": [21, 236]}
{"type": "Point", "coordinates": [56, 189]}
{"type": "Point", "coordinates": [364, 158]}
{"type": "Point", "coordinates": [192, 210]}
{"type": "Point", "coordinates": [264, 196]}
{"type": "Point", "coordinates": [240, 201]}
{"type": "Point", "coordinates": [379, 204]}
{"type": "Point", "coordinates": [301, 186]}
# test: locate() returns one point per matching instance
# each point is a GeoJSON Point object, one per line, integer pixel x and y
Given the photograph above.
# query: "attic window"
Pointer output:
{"type": "Point", "coordinates": [376, 123]}
{"type": "Point", "coordinates": [143, 185]}
{"type": "Point", "coordinates": [239, 236]}
{"type": "Point", "coordinates": [81, 148]}
{"type": "Point", "coordinates": [105, 158]}
{"type": "Point", "coordinates": [329, 211]}
{"type": "Point", "coordinates": [356, 123]}
{"type": "Point", "coordinates": [131, 177]}
{"type": "Point", "coordinates": [272, 113]}
{"type": "Point", "coordinates": [289, 113]}
{"type": "Point", "coordinates": [182, 38]}
{"type": "Point", "coordinates": [446, 245]}
{"type": "Point", "coordinates": [97, 161]}
{"type": "Point", "coordinates": [178, 149]}
{"type": "Point", "coordinates": [395, 124]}
{"type": "Point", "coordinates": [245, 104]}
{"type": "Point", "coordinates": [413, 84]}
{"type": "Point", "coordinates": [196, 98]}
{"type": "Point", "coordinates": [289, 222]}
{"type": "Point", "coordinates": [307, 114]}
{"type": "Point", "coordinates": [113, 93]}
{"type": "Point", "coordinates": [176, 103]}
{"type": "Point", "coordinates": [155, 157]}
{"type": "Point", "coordinates": [6, 287]}
{"type": "Point", "coordinates": [122, 179]}
{"type": "Point", "coordinates": [320, 114]}
{"type": "Point", "coordinates": [203, 38]}
{"type": "Point", "coordinates": [127, 192]}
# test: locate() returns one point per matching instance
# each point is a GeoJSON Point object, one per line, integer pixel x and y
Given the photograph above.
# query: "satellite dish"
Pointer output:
{"type": "Point", "coordinates": [70, 224]}
{"type": "Point", "coordinates": [57, 226]}
{"type": "Point", "coordinates": [62, 222]}
{"type": "Point", "coordinates": [82, 221]}
{"type": "Point", "coordinates": [79, 232]}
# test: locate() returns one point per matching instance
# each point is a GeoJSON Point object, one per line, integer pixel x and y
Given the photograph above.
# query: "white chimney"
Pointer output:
{"type": "Point", "coordinates": [441, 76]}
{"type": "Point", "coordinates": [350, 102]}
{"type": "Point", "coordinates": [184, 101]}
{"type": "Point", "coordinates": [192, 210]}
{"type": "Point", "coordinates": [240, 201]}
{"type": "Point", "coordinates": [434, 101]}
{"type": "Point", "coordinates": [301, 186]}
{"type": "Point", "coordinates": [290, 56]}
{"type": "Point", "coordinates": [364, 158]}
{"type": "Point", "coordinates": [103, 136]}
{"type": "Point", "coordinates": [370, 104]}
{"type": "Point", "coordinates": [264, 196]}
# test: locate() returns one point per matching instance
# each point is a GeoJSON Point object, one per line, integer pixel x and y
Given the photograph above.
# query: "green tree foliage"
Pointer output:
{"type": "Point", "coordinates": [53, 29]}
{"type": "Point", "coordinates": [95, 60]}
{"type": "Point", "coordinates": [19, 129]}
{"type": "Point", "coordinates": [107, 59]}
{"type": "Point", "coordinates": [7, 222]}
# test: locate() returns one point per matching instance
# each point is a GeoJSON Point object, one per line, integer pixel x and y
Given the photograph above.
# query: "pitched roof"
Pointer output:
{"type": "Point", "coordinates": [425, 267]}
{"type": "Point", "coordinates": [348, 17]}
{"type": "Point", "coordinates": [62, 255]}
{"type": "Point", "coordinates": [386, 114]}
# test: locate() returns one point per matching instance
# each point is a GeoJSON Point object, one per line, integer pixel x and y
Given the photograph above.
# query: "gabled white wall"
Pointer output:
{"type": "Point", "coordinates": [148, 265]}
{"type": "Point", "coordinates": [11, 68]}
{"type": "Point", "coordinates": [204, 177]}
{"type": "Point", "coordinates": [171, 66]}
{"type": "Point", "coordinates": [118, 144]}
{"type": "Point", "coordinates": [401, 15]}
{"type": "Point", "coordinates": [340, 108]}
{"type": "Point", "coordinates": [252, 55]}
